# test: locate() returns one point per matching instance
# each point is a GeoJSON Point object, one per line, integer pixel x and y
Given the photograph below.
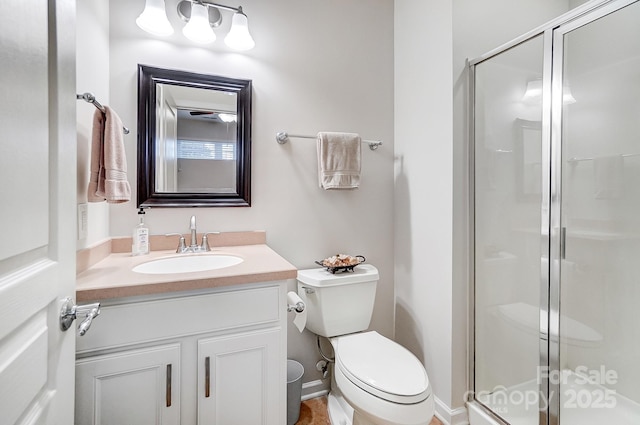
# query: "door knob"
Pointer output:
{"type": "Point", "coordinates": [70, 311]}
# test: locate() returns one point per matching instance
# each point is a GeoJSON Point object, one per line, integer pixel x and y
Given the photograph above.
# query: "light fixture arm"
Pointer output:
{"type": "Point", "coordinates": [218, 6]}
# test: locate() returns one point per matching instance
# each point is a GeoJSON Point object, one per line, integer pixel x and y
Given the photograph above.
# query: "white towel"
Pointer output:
{"type": "Point", "coordinates": [339, 161]}
{"type": "Point", "coordinates": [609, 177]}
{"type": "Point", "coordinates": [108, 179]}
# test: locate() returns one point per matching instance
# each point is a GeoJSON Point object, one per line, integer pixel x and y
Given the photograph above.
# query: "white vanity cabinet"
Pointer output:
{"type": "Point", "coordinates": [212, 357]}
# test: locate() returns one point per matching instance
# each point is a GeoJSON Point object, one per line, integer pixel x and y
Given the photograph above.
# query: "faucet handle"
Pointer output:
{"type": "Point", "coordinates": [182, 246]}
{"type": "Point", "coordinates": [205, 241]}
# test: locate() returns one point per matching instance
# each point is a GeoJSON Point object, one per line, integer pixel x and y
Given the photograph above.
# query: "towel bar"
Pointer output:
{"type": "Point", "coordinates": [282, 138]}
{"type": "Point", "coordinates": [579, 159]}
{"type": "Point", "coordinates": [90, 98]}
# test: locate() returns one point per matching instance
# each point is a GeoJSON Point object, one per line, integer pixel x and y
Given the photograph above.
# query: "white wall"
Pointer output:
{"type": "Point", "coordinates": [316, 66]}
{"type": "Point", "coordinates": [92, 75]}
{"type": "Point", "coordinates": [424, 186]}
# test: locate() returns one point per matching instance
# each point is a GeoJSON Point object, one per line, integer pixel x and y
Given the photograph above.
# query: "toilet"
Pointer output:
{"type": "Point", "coordinates": [375, 381]}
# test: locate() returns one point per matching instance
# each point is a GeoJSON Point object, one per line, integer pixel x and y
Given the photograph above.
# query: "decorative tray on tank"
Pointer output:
{"type": "Point", "coordinates": [341, 263]}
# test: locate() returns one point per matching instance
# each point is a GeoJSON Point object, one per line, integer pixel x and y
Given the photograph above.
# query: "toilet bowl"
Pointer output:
{"type": "Point", "coordinates": [383, 382]}
{"type": "Point", "coordinates": [375, 381]}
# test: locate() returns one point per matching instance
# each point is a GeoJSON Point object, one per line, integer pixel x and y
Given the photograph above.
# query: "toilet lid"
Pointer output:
{"type": "Point", "coordinates": [382, 368]}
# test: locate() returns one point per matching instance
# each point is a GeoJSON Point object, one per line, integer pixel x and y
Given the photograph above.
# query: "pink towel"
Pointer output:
{"type": "Point", "coordinates": [108, 179]}
{"type": "Point", "coordinates": [97, 136]}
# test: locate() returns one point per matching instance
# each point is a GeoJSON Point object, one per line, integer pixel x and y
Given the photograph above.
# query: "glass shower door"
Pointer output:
{"type": "Point", "coordinates": [507, 199]}
{"type": "Point", "coordinates": [599, 262]}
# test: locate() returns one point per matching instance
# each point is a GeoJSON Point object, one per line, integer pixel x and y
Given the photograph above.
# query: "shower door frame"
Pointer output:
{"type": "Point", "coordinates": [551, 232]}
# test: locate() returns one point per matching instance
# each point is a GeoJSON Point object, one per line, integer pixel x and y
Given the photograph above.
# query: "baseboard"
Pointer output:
{"type": "Point", "coordinates": [447, 416]}
{"type": "Point", "coordinates": [459, 416]}
{"type": "Point", "coordinates": [313, 389]}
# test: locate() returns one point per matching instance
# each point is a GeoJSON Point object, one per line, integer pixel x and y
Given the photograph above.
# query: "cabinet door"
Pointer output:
{"type": "Point", "coordinates": [130, 387]}
{"type": "Point", "coordinates": [238, 380]}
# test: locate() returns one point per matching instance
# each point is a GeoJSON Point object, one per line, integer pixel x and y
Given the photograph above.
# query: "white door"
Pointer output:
{"type": "Point", "coordinates": [167, 139]}
{"type": "Point", "coordinates": [37, 203]}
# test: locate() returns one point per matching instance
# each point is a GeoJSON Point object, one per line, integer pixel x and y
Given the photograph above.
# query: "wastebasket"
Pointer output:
{"type": "Point", "coordinates": [294, 390]}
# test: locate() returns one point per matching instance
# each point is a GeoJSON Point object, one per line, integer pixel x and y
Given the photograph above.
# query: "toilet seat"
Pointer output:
{"type": "Point", "coordinates": [381, 367]}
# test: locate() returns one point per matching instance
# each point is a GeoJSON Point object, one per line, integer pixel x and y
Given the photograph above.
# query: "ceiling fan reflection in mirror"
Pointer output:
{"type": "Point", "coordinates": [212, 115]}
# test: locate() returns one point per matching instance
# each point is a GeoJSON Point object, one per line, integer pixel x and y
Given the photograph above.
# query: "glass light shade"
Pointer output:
{"type": "Point", "coordinates": [228, 117]}
{"type": "Point", "coordinates": [198, 28]}
{"type": "Point", "coordinates": [534, 93]}
{"type": "Point", "coordinates": [567, 97]}
{"type": "Point", "coordinates": [239, 37]}
{"type": "Point", "coordinates": [153, 19]}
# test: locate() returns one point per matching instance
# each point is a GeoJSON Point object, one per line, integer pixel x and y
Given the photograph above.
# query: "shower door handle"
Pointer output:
{"type": "Point", "coordinates": [563, 243]}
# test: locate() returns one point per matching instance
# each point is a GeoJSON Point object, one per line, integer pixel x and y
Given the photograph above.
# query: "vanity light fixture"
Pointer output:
{"type": "Point", "coordinates": [533, 93]}
{"type": "Point", "coordinates": [207, 15]}
{"type": "Point", "coordinates": [153, 19]}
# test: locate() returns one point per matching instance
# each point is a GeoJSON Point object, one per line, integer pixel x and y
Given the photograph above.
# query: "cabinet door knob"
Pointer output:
{"type": "Point", "coordinates": [207, 376]}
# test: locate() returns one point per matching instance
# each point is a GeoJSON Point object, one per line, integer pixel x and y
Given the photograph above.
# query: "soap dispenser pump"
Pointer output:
{"type": "Point", "coordinates": [140, 237]}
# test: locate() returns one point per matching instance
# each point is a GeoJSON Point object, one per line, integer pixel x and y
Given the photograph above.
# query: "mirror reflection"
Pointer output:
{"type": "Point", "coordinates": [528, 149]}
{"type": "Point", "coordinates": [196, 143]}
{"type": "Point", "coordinates": [194, 139]}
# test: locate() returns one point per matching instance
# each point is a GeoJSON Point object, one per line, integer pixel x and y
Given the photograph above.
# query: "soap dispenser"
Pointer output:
{"type": "Point", "coordinates": [140, 237]}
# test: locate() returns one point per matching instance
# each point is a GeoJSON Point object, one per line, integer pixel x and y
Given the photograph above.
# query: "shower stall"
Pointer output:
{"type": "Point", "coordinates": [555, 213]}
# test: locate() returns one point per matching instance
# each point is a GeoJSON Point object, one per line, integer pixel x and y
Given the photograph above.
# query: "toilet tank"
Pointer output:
{"type": "Point", "coordinates": [340, 303]}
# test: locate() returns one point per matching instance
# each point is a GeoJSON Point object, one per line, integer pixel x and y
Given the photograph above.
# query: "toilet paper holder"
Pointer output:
{"type": "Point", "coordinates": [294, 303]}
{"type": "Point", "coordinates": [297, 307]}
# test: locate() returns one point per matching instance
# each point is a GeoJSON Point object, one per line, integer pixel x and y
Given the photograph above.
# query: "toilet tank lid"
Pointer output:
{"type": "Point", "coordinates": [322, 277]}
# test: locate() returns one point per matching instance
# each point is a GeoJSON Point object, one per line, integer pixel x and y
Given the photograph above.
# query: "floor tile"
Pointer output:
{"type": "Point", "coordinates": [314, 412]}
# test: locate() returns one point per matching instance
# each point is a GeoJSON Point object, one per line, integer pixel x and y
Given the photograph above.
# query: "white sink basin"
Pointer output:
{"type": "Point", "coordinates": [187, 264]}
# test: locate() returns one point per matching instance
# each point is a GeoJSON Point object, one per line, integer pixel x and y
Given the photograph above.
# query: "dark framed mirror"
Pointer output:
{"type": "Point", "coordinates": [194, 139]}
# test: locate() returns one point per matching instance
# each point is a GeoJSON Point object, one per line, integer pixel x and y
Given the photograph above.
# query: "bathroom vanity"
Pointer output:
{"type": "Point", "coordinates": [193, 348]}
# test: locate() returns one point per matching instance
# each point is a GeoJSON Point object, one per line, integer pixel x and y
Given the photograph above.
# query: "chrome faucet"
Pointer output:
{"type": "Point", "coordinates": [193, 243]}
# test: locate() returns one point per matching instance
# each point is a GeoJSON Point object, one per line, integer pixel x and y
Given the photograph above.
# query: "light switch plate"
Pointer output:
{"type": "Point", "coordinates": [83, 218]}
